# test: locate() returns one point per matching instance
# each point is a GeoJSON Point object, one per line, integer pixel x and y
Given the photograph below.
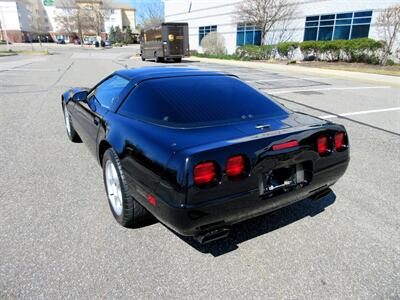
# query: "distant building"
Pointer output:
{"type": "Point", "coordinates": [313, 20]}
{"type": "Point", "coordinates": [29, 20]}
{"type": "Point", "coordinates": [22, 20]}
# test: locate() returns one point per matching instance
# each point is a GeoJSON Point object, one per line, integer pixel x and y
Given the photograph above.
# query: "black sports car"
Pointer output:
{"type": "Point", "coordinates": [201, 150]}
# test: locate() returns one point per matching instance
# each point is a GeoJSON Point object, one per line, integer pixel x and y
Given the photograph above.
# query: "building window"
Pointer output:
{"type": "Point", "coordinates": [343, 26]}
{"type": "Point", "coordinates": [248, 34]}
{"type": "Point", "coordinates": [204, 30]}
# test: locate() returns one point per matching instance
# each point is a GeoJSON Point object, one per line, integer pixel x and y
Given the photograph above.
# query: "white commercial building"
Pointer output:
{"type": "Point", "coordinates": [312, 20]}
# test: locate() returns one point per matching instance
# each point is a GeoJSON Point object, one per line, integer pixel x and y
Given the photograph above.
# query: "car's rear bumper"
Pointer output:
{"type": "Point", "coordinates": [220, 213]}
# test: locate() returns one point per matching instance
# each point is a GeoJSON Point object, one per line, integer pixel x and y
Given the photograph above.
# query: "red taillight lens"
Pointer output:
{"type": "Point", "coordinates": [204, 173]}
{"type": "Point", "coordinates": [323, 145]}
{"type": "Point", "coordinates": [235, 165]}
{"type": "Point", "coordinates": [285, 145]}
{"type": "Point", "coordinates": [340, 143]}
{"type": "Point", "coordinates": [151, 199]}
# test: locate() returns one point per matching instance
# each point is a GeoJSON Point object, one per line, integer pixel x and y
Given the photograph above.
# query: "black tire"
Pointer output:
{"type": "Point", "coordinates": [178, 60]}
{"type": "Point", "coordinates": [71, 132]}
{"type": "Point", "coordinates": [132, 213]}
{"type": "Point", "coordinates": [142, 57]}
{"type": "Point", "coordinates": [159, 59]}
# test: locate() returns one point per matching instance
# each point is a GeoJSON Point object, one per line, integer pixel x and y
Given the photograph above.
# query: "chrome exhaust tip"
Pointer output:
{"type": "Point", "coordinates": [211, 236]}
{"type": "Point", "coordinates": [321, 194]}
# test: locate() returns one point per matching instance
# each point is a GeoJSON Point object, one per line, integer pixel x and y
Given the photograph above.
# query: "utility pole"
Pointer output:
{"type": "Point", "coordinates": [5, 29]}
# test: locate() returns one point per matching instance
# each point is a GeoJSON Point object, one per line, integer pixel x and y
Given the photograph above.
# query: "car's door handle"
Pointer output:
{"type": "Point", "coordinates": [96, 121]}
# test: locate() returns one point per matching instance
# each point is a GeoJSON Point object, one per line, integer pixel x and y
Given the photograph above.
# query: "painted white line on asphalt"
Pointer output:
{"type": "Point", "coordinates": [32, 69]}
{"type": "Point", "coordinates": [328, 89]}
{"type": "Point", "coordinates": [281, 79]}
{"type": "Point", "coordinates": [360, 113]}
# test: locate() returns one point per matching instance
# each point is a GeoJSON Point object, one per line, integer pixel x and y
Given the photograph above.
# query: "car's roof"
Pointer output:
{"type": "Point", "coordinates": [139, 74]}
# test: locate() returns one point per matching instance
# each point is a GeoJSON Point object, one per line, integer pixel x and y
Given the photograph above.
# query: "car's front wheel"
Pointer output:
{"type": "Point", "coordinates": [71, 132]}
{"type": "Point", "coordinates": [126, 210]}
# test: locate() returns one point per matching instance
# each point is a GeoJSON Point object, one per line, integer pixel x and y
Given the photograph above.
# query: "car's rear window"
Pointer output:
{"type": "Point", "coordinates": [197, 101]}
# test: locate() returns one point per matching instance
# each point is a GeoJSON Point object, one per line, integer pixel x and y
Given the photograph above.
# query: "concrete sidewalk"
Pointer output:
{"type": "Point", "coordinates": [388, 80]}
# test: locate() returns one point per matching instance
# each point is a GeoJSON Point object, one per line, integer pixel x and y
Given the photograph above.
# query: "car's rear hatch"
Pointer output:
{"type": "Point", "coordinates": [270, 172]}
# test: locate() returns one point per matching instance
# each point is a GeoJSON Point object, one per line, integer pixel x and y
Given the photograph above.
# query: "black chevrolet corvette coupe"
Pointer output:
{"type": "Point", "coordinates": [200, 150]}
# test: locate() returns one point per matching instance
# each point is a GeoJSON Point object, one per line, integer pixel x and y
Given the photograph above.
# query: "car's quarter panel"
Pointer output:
{"type": "Point", "coordinates": [144, 150]}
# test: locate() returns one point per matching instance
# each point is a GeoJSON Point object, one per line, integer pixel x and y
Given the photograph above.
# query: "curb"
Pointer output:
{"type": "Point", "coordinates": [393, 81]}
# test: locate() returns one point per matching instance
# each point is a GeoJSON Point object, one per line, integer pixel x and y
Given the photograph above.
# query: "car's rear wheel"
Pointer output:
{"type": "Point", "coordinates": [142, 57]}
{"type": "Point", "coordinates": [71, 132]}
{"type": "Point", "coordinates": [126, 210]}
{"type": "Point", "coordinates": [178, 59]}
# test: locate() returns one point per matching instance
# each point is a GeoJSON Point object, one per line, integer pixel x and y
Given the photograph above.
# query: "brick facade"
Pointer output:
{"type": "Point", "coordinates": [14, 36]}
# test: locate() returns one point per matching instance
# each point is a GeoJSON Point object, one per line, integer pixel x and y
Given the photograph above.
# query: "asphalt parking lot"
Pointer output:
{"type": "Point", "coordinates": [58, 238]}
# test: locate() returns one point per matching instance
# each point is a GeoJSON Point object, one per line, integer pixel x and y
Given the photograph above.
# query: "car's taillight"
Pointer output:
{"type": "Point", "coordinates": [151, 199]}
{"type": "Point", "coordinates": [340, 142]}
{"type": "Point", "coordinates": [204, 173]}
{"type": "Point", "coordinates": [323, 145]}
{"type": "Point", "coordinates": [285, 145]}
{"type": "Point", "coordinates": [235, 166]}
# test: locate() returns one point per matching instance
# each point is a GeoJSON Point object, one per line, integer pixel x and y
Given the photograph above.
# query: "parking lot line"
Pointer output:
{"type": "Point", "coordinates": [282, 79]}
{"type": "Point", "coordinates": [360, 113]}
{"type": "Point", "coordinates": [330, 89]}
{"type": "Point", "coordinates": [329, 113]}
{"type": "Point", "coordinates": [27, 69]}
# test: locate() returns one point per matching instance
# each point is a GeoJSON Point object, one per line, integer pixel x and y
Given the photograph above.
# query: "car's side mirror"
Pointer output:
{"type": "Point", "coordinates": [80, 96]}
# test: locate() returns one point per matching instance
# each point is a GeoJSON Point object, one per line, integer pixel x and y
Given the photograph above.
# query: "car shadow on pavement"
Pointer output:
{"type": "Point", "coordinates": [252, 228]}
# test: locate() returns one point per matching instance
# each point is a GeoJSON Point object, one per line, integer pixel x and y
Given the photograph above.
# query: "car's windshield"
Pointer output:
{"type": "Point", "coordinates": [198, 100]}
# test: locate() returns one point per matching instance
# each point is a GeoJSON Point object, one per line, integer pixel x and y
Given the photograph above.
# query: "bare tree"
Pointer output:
{"type": "Point", "coordinates": [152, 13]}
{"type": "Point", "coordinates": [280, 32]}
{"type": "Point", "coordinates": [75, 18]}
{"type": "Point", "coordinates": [265, 13]}
{"type": "Point", "coordinates": [100, 10]}
{"type": "Point", "coordinates": [389, 24]}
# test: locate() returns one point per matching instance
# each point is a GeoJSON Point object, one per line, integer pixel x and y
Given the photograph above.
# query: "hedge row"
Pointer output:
{"type": "Point", "coordinates": [358, 50]}
{"type": "Point", "coordinates": [218, 56]}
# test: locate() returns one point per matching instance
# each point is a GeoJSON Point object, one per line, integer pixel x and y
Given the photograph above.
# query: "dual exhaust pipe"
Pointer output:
{"type": "Point", "coordinates": [213, 235]}
{"type": "Point", "coordinates": [321, 194]}
{"type": "Point", "coordinates": [223, 232]}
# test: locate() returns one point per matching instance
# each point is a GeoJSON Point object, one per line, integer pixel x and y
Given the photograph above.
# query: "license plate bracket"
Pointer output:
{"type": "Point", "coordinates": [284, 179]}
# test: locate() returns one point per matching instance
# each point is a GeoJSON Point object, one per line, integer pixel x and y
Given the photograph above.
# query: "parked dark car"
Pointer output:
{"type": "Point", "coordinates": [61, 41]}
{"type": "Point", "coordinates": [201, 150]}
